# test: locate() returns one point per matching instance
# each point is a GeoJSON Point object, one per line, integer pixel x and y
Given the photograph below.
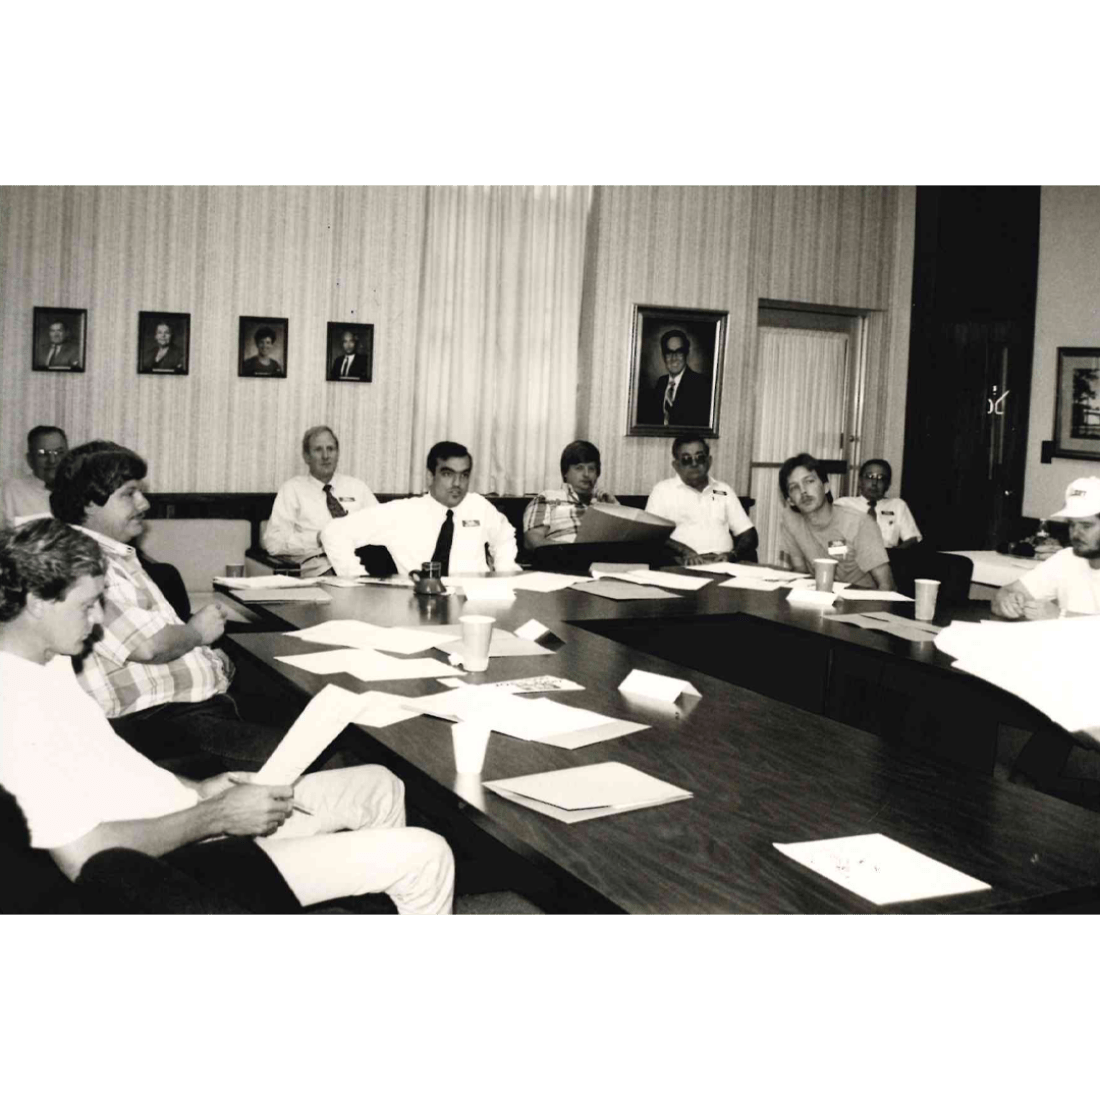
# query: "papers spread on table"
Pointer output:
{"type": "Point", "coordinates": [276, 580]}
{"type": "Point", "coordinates": [381, 709]}
{"type": "Point", "coordinates": [747, 569]}
{"type": "Point", "coordinates": [753, 584]}
{"type": "Point", "coordinates": [283, 595]}
{"type": "Point", "coordinates": [532, 630]}
{"type": "Point", "coordinates": [880, 869]}
{"type": "Point", "coordinates": [530, 685]}
{"type": "Point", "coordinates": [342, 582]}
{"type": "Point", "coordinates": [624, 590]}
{"type": "Point", "coordinates": [542, 720]}
{"type": "Point", "coordinates": [653, 576]}
{"type": "Point", "coordinates": [809, 582]}
{"type": "Point", "coordinates": [487, 588]}
{"type": "Point", "coordinates": [654, 686]}
{"type": "Point", "coordinates": [543, 582]}
{"type": "Point", "coordinates": [603, 522]}
{"type": "Point", "coordinates": [360, 635]}
{"type": "Point", "coordinates": [889, 623]}
{"type": "Point", "coordinates": [1050, 664]}
{"type": "Point", "coordinates": [502, 644]}
{"type": "Point", "coordinates": [369, 664]}
{"type": "Point", "coordinates": [874, 594]}
{"type": "Point", "coordinates": [811, 598]}
{"type": "Point", "coordinates": [593, 790]}
{"type": "Point", "coordinates": [326, 714]}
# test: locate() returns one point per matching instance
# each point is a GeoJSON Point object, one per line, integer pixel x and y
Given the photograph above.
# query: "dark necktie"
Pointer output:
{"type": "Point", "coordinates": [335, 508]}
{"type": "Point", "coordinates": [872, 511]}
{"type": "Point", "coordinates": [670, 396]}
{"type": "Point", "coordinates": [442, 551]}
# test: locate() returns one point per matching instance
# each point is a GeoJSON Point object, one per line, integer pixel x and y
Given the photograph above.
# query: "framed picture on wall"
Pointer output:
{"type": "Point", "coordinates": [1077, 407]}
{"type": "Point", "coordinates": [261, 349]}
{"type": "Point", "coordinates": [164, 343]}
{"type": "Point", "coordinates": [349, 354]}
{"type": "Point", "coordinates": [676, 359]}
{"type": "Point", "coordinates": [60, 340]}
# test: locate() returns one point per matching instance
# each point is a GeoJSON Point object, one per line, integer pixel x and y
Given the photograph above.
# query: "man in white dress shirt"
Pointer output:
{"type": "Point", "coordinates": [29, 495]}
{"type": "Point", "coordinates": [710, 523]}
{"type": "Point", "coordinates": [306, 504]}
{"type": "Point", "coordinates": [448, 524]}
{"type": "Point", "coordinates": [892, 515]}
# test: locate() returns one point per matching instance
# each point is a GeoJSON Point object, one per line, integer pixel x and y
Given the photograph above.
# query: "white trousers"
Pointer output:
{"type": "Point", "coordinates": [354, 841]}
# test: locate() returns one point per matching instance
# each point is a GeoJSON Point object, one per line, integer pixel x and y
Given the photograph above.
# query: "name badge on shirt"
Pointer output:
{"type": "Point", "coordinates": [471, 523]}
{"type": "Point", "coordinates": [883, 512]}
{"type": "Point", "coordinates": [718, 492]}
{"type": "Point", "coordinates": [838, 548]}
{"type": "Point", "coordinates": [346, 500]}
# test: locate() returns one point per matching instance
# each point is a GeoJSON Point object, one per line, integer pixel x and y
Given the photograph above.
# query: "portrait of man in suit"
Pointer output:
{"type": "Point", "coordinates": [677, 365]}
{"type": "Point", "coordinates": [163, 340]}
{"type": "Point", "coordinates": [350, 352]}
{"type": "Point", "coordinates": [59, 339]}
{"type": "Point", "coordinates": [267, 338]}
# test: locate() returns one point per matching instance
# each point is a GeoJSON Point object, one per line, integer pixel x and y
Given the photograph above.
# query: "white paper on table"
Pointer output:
{"type": "Point", "coordinates": [747, 569]}
{"type": "Point", "coordinates": [312, 594]}
{"type": "Point", "coordinates": [752, 584]}
{"type": "Point", "coordinates": [874, 594]}
{"type": "Point", "coordinates": [811, 598]}
{"type": "Point", "coordinates": [592, 790]}
{"type": "Point", "coordinates": [880, 869]}
{"type": "Point", "coordinates": [614, 589]}
{"type": "Point", "coordinates": [275, 580]}
{"type": "Point", "coordinates": [543, 582]}
{"type": "Point", "coordinates": [361, 635]}
{"type": "Point", "coordinates": [382, 708]}
{"type": "Point", "coordinates": [665, 580]}
{"type": "Point", "coordinates": [368, 664]}
{"type": "Point", "coordinates": [342, 582]}
{"type": "Point", "coordinates": [325, 716]}
{"type": "Point", "coordinates": [809, 582]}
{"type": "Point", "coordinates": [530, 685]}
{"type": "Point", "coordinates": [532, 630]}
{"type": "Point", "coordinates": [888, 623]}
{"type": "Point", "coordinates": [487, 588]}
{"type": "Point", "coordinates": [655, 686]}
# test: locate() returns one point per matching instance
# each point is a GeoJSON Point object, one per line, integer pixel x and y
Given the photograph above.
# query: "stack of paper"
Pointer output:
{"type": "Point", "coordinates": [542, 720]}
{"type": "Point", "coordinates": [1050, 664]}
{"type": "Point", "coordinates": [595, 790]}
{"type": "Point", "coordinates": [880, 869]}
{"type": "Point", "coordinates": [360, 635]}
{"type": "Point", "coordinates": [310, 594]}
{"type": "Point", "coordinates": [369, 664]}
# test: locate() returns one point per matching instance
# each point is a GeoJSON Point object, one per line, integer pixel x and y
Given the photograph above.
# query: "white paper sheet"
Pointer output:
{"type": "Point", "coordinates": [532, 630]}
{"type": "Point", "coordinates": [623, 590]}
{"type": "Point", "coordinates": [752, 584]}
{"type": "Point", "coordinates": [368, 665]}
{"type": "Point", "coordinates": [487, 588]}
{"type": "Point", "coordinates": [530, 685]}
{"type": "Point", "coordinates": [342, 582]}
{"type": "Point", "coordinates": [327, 713]}
{"type": "Point", "coordinates": [604, 522]}
{"type": "Point", "coordinates": [543, 582]}
{"type": "Point", "coordinates": [381, 709]}
{"type": "Point", "coordinates": [811, 598]}
{"type": "Point", "coordinates": [874, 594]}
{"type": "Point", "coordinates": [592, 790]}
{"type": "Point", "coordinates": [810, 583]}
{"type": "Point", "coordinates": [283, 595]}
{"type": "Point", "coordinates": [276, 580]}
{"type": "Point", "coordinates": [665, 580]}
{"type": "Point", "coordinates": [748, 569]}
{"type": "Point", "coordinates": [880, 869]}
{"type": "Point", "coordinates": [888, 623]}
{"type": "Point", "coordinates": [655, 686]}
{"type": "Point", "coordinates": [361, 635]}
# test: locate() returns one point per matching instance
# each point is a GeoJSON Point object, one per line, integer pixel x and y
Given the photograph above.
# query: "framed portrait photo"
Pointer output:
{"type": "Point", "coordinates": [349, 352]}
{"type": "Point", "coordinates": [1077, 407]}
{"type": "Point", "coordinates": [262, 347]}
{"type": "Point", "coordinates": [676, 359]}
{"type": "Point", "coordinates": [164, 343]}
{"type": "Point", "coordinates": [60, 340]}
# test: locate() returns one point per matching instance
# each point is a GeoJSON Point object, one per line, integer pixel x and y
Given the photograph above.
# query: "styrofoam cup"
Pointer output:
{"type": "Point", "coordinates": [477, 633]}
{"type": "Point", "coordinates": [824, 573]}
{"type": "Point", "coordinates": [925, 591]}
{"type": "Point", "coordinates": [470, 741]}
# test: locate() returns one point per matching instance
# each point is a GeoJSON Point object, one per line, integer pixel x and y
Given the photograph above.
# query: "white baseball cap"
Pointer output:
{"type": "Point", "coordinates": [1082, 499]}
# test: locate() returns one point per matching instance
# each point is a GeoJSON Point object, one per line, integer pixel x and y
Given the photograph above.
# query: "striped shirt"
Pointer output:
{"type": "Point", "coordinates": [560, 510]}
{"type": "Point", "coordinates": [135, 610]}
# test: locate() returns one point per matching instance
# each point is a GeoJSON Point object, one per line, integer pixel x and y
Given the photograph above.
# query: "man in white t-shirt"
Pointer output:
{"type": "Point", "coordinates": [710, 523]}
{"type": "Point", "coordinates": [895, 521]}
{"type": "Point", "coordinates": [1072, 576]}
{"type": "Point", "coordinates": [83, 790]}
{"type": "Point", "coordinates": [306, 504]}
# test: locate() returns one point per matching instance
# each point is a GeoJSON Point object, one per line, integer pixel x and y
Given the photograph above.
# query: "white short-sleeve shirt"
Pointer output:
{"type": "Point", "coordinates": [1068, 579]}
{"type": "Point", "coordinates": [895, 521]}
{"type": "Point", "coordinates": [704, 519]}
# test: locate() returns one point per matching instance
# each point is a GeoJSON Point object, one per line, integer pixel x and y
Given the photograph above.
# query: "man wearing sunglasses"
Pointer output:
{"type": "Point", "coordinates": [893, 517]}
{"type": "Point", "coordinates": [710, 523]}
{"type": "Point", "coordinates": [29, 495]}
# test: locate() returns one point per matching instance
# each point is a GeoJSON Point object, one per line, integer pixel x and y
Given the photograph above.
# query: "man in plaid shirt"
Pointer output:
{"type": "Point", "coordinates": [555, 515]}
{"type": "Point", "coordinates": [158, 679]}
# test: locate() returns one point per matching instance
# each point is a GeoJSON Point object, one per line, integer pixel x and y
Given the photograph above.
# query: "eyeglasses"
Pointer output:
{"type": "Point", "coordinates": [874, 477]}
{"type": "Point", "coordinates": [53, 452]}
{"type": "Point", "coordinates": [693, 460]}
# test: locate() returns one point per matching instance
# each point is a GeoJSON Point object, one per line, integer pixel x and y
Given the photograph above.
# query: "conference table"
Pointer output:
{"type": "Point", "coordinates": [760, 749]}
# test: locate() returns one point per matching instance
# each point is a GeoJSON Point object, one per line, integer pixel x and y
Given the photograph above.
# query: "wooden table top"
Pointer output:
{"type": "Point", "coordinates": [761, 772]}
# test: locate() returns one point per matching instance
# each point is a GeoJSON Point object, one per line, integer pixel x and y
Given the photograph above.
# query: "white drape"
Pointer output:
{"type": "Point", "coordinates": [499, 323]}
{"type": "Point", "coordinates": [802, 395]}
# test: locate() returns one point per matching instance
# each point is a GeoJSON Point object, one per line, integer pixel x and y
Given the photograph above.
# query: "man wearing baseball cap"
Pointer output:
{"type": "Point", "coordinates": [1072, 576]}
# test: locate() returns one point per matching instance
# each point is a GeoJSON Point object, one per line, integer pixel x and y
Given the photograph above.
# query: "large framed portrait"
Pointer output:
{"type": "Point", "coordinates": [349, 353]}
{"type": "Point", "coordinates": [164, 343]}
{"type": "Point", "coordinates": [676, 359]}
{"type": "Point", "coordinates": [1077, 408]}
{"type": "Point", "coordinates": [60, 340]}
{"type": "Point", "coordinates": [262, 347]}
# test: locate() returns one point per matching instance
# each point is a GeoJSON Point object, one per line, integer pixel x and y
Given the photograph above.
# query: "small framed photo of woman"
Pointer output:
{"type": "Point", "coordinates": [164, 343]}
{"type": "Point", "coordinates": [261, 347]}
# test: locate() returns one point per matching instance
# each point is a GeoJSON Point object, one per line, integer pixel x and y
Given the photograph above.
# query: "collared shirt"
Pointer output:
{"type": "Point", "coordinates": [64, 764]}
{"type": "Point", "coordinates": [1068, 579]}
{"type": "Point", "coordinates": [22, 497]}
{"type": "Point", "coordinates": [853, 540]}
{"type": "Point", "coordinates": [300, 513]}
{"type": "Point", "coordinates": [704, 519]}
{"type": "Point", "coordinates": [560, 510]}
{"type": "Point", "coordinates": [409, 529]}
{"type": "Point", "coordinates": [895, 521]}
{"type": "Point", "coordinates": [135, 610]}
